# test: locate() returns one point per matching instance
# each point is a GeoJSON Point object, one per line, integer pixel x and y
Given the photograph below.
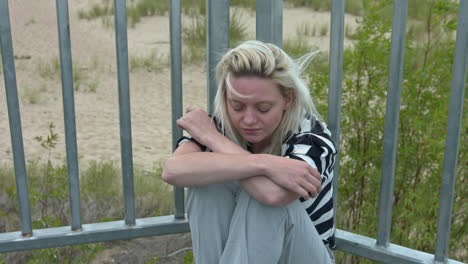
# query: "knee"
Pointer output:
{"type": "Point", "coordinates": [257, 208]}
{"type": "Point", "coordinates": [211, 195]}
{"type": "Point", "coordinates": [213, 190]}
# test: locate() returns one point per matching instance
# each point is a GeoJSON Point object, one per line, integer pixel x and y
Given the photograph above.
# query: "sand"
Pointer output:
{"type": "Point", "coordinates": [35, 43]}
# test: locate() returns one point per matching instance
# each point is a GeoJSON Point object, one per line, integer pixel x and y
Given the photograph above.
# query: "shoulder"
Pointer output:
{"type": "Point", "coordinates": [189, 138]}
{"type": "Point", "coordinates": [313, 144]}
{"type": "Point", "coordinates": [311, 133]}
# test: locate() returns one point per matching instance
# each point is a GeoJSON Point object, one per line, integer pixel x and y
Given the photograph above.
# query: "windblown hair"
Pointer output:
{"type": "Point", "coordinates": [264, 60]}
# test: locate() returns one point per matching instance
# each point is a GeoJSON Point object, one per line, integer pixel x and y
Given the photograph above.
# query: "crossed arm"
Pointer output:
{"type": "Point", "coordinates": [272, 180]}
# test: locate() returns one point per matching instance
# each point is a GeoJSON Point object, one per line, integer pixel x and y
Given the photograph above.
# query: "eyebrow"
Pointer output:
{"type": "Point", "coordinates": [258, 103]}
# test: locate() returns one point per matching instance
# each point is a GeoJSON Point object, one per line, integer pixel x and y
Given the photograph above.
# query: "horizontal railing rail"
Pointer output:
{"type": "Point", "coordinates": [268, 28]}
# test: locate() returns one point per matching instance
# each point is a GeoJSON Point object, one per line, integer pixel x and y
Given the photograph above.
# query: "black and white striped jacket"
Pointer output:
{"type": "Point", "coordinates": [312, 143]}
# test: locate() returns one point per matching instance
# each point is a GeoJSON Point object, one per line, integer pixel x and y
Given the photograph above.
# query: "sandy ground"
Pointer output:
{"type": "Point", "coordinates": [34, 31]}
{"type": "Point", "coordinates": [35, 43]}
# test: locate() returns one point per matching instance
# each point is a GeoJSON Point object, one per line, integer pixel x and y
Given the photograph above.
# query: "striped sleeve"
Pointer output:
{"type": "Point", "coordinates": [313, 144]}
{"type": "Point", "coordinates": [188, 138]}
{"type": "Point", "coordinates": [185, 139]}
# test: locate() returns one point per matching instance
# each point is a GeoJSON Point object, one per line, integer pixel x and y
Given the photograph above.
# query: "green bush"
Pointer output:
{"type": "Point", "coordinates": [421, 133]}
{"type": "Point", "coordinates": [101, 200]}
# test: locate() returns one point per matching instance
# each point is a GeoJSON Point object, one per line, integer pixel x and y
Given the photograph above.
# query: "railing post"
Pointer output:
{"type": "Point", "coordinates": [11, 90]}
{"type": "Point", "coordinates": [217, 41]}
{"type": "Point", "coordinates": [335, 85]}
{"type": "Point", "coordinates": [400, 13]}
{"type": "Point", "coordinates": [176, 95]}
{"type": "Point", "coordinates": [460, 65]}
{"type": "Point", "coordinates": [69, 111]}
{"type": "Point", "coordinates": [269, 21]}
{"type": "Point", "coordinates": [124, 110]}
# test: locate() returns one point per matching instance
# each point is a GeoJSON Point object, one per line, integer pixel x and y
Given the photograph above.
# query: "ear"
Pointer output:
{"type": "Point", "coordinates": [289, 99]}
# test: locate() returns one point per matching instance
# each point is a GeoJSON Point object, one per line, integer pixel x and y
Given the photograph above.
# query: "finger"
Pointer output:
{"type": "Point", "coordinates": [189, 109]}
{"type": "Point", "coordinates": [180, 123]}
{"type": "Point", "coordinates": [315, 173]}
{"type": "Point", "coordinates": [317, 184]}
{"type": "Point", "coordinates": [307, 195]}
{"type": "Point", "coordinates": [312, 185]}
{"type": "Point", "coordinates": [299, 190]}
{"type": "Point", "coordinates": [312, 178]}
{"type": "Point", "coordinates": [311, 189]}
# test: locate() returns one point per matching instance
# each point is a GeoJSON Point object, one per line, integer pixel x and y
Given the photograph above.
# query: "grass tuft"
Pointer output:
{"type": "Point", "coordinates": [194, 37]}
{"type": "Point", "coordinates": [79, 77]}
{"type": "Point", "coordinates": [22, 57]}
{"type": "Point", "coordinates": [49, 70]}
{"type": "Point", "coordinates": [323, 30]}
{"type": "Point", "coordinates": [97, 11]}
{"type": "Point", "coordinates": [144, 8]}
{"type": "Point", "coordinates": [139, 9]}
{"type": "Point", "coordinates": [194, 7]}
{"type": "Point", "coordinates": [306, 29]}
{"type": "Point", "coordinates": [237, 29]}
{"type": "Point", "coordinates": [33, 96]}
{"type": "Point", "coordinates": [297, 47]}
{"type": "Point", "coordinates": [251, 4]}
{"type": "Point", "coordinates": [151, 63]}
{"type": "Point", "coordinates": [195, 34]}
{"type": "Point", "coordinates": [348, 32]}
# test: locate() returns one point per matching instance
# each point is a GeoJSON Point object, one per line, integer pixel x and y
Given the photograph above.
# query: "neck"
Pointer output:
{"type": "Point", "coordinates": [258, 147]}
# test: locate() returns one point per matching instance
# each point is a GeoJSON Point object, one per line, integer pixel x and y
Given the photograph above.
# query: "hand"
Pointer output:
{"type": "Point", "coordinates": [198, 124]}
{"type": "Point", "coordinates": [294, 175]}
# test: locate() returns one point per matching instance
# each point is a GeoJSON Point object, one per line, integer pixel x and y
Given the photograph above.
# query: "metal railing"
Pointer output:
{"type": "Point", "coordinates": [269, 28]}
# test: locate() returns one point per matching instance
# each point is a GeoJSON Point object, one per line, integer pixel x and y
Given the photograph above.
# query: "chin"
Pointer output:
{"type": "Point", "coordinates": [253, 139]}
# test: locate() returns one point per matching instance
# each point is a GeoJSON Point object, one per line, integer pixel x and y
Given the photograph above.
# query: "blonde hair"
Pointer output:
{"type": "Point", "coordinates": [265, 60]}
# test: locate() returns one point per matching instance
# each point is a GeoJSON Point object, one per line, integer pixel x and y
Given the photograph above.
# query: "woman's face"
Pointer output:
{"type": "Point", "coordinates": [257, 115]}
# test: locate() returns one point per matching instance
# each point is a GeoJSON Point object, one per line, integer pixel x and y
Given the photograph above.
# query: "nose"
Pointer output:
{"type": "Point", "coordinates": [249, 118]}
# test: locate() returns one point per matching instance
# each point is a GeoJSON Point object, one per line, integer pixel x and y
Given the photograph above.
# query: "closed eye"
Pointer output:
{"type": "Point", "coordinates": [237, 106]}
{"type": "Point", "coordinates": [264, 107]}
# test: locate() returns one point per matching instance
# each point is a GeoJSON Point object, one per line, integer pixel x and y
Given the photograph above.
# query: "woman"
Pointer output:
{"type": "Point", "coordinates": [260, 171]}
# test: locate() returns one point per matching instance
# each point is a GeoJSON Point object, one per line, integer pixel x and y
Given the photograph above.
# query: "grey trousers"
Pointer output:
{"type": "Point", "coordinates": [230, 227]}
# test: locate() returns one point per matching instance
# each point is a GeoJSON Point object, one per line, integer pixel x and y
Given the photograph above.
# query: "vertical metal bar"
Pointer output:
{"type": "Point", "coordinates": [217, 41]}
{"type": "Point", "coordinates": [335, 84]}
{"type": "Point", "coordinates": [400, 13]}
{"type": "Point", "coordinates": [124, 109]}
{"type": "Point", "coordinates": [11, 90]}
{"type": "Point", "coordinates": [269, 25]}
{"type": "Point", "coordinates": [176, 88]}
{"type": "Point", "coordinates": [69, 112]}
{"type": "Point", "coordinates": [460, 65]}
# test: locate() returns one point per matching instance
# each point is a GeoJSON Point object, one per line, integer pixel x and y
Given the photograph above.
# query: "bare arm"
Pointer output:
{"type": "Point", "coordinates": [272, 180]}
{"type": "Point", "coordinates": [262, 188]}
{"type": "Point", "coordinates": [188, 166]}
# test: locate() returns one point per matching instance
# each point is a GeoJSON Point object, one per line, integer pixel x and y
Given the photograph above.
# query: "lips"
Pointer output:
{"type": "Point", "coordinates": [250, 131]}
